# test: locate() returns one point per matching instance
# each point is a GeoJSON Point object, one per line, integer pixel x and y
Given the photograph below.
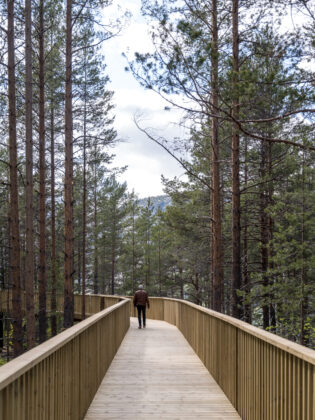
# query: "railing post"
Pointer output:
{"type": "Point", "coordinates": [102, 303]}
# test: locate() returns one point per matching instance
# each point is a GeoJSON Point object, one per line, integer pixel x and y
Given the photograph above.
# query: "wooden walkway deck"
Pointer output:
{"type": "Point", "coordinates": [156, 375]}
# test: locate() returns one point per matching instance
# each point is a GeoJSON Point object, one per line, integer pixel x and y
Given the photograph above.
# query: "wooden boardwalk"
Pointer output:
{"type": "Point", "coordinates": [156, 375]}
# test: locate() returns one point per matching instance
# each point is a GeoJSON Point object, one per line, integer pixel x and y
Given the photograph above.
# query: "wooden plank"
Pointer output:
{"type": "Point", "coordinates": [156, 374]}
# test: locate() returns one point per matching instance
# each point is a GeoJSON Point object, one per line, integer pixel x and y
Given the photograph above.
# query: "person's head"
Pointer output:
{"type": "Point", "coordinates": [140, 287]}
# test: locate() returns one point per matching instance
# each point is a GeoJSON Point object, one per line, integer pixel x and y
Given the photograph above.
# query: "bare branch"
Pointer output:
{"type": "Point", "coordinates": [278, 117]}
{"type": "Point", "coordinates": [179, 160]}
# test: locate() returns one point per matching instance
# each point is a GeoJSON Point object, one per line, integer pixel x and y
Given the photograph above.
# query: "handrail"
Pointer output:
{"type": "Point", "coordinates": [93, 303]}
{"type": "Point", "coordinates": [266, 377]}
{"type": "Point", "coordinates": [59, 378]}
{"type": "Point", "coordinates": [295, 349]}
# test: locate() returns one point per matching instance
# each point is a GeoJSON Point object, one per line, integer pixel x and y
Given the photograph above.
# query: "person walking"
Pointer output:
{"type": "Point", "coordinates": [140, 300]}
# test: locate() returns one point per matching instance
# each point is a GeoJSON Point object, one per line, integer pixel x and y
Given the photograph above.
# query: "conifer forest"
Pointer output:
{"type": "Point", "coordinates": [235, 235]}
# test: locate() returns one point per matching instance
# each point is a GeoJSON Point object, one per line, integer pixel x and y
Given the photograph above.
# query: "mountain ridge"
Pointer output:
{"type": "Point", "coordinates": [158, 202]}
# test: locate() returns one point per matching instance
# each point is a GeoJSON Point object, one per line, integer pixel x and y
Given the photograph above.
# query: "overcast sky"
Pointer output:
{"type": "Point", "coordinates": [146, 161]}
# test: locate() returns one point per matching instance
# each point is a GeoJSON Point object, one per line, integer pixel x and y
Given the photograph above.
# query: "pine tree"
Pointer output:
{"type": "Point", "coordinates": [14, 197]}
{"type": "Point", "coordinates": [68, 186]}
{"type": "Point", "coordinates": [42, 180]}
{"type": "Point", "coordinates": [29, 211]}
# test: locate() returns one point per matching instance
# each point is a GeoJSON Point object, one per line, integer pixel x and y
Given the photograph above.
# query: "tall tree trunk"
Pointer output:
{"type": "Point", "coordinates": [84, 234]}
{"type": "Point", "coordinates": [68, 263]}
{"type": "Point", "coordinates": [79, 267]}
{"type": "Point", "coordinates": [84, 230]}
{"type": "Point", "coordinates": [42, 187]}
{"type": "Point", "coordinates": [53, 222]}
{"type": "Point", "coordinates": [95, 285]}
{"type": "Point", "coordinates": [148, 259]}
{"type": "Point", "coordinates": [264, 236]}
{"type": "Point", "coordinates": [84, 204]}
{"type": "Point", "coordinates": [181, 283]}
{"type": "Point", "coordinates": [247, 306]}
{"type": "Point", "coordinates": [113, 254]}
{"type": "Point", "coordinates": [113, 269]}
{"type": "Point", "coordinates": [211, 299]}
{"type": "Point", "coordinates": [29, 210]}
{"type": "Point", "coordinates": [133, 250]}
{"type": "Point", "coordinates": [9, 279]}
{"type": "Point", "coordinates": [159, 264]}
{"type": "Point", "coordinates": [14, 197]}
{"type": "Point", "coordinates": [103, 257]}
{"type": "Point", "coordinates": [236, 202]}
{"type": "Point", "coordinates": [215, 162]}
{"type": "Point", "coordinates": [197, 289]}
{"type": "Point", "coordinates": [272, 310]}
{"type": "Point", "coordinates": [304, 296]}
{"type": "Point", "coordinates": [225, 302]}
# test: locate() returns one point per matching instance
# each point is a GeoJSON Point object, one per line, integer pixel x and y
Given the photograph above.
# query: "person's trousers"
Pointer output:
{"type": "Point", "coordinates": [140, 309]}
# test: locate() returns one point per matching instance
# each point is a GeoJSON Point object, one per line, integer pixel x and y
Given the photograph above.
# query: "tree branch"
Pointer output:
{"type": "Point", "coordinates": [180, 161]}
{"type": "Point", "coordinates": [279, 117]}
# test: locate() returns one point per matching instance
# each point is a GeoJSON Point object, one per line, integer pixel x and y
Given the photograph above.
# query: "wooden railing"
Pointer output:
{"type": "Point", "coordinates": [58, 379]}
{"type": "Point", "coordinates": [264, 376]}
{"type": "Point", "coordinates": [93, 303]}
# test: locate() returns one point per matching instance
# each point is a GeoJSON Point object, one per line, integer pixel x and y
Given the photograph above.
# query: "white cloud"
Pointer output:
{"type": "Point", "coordinates": [136, 39]}
{"type": "Point", "coordinates": [146, 161]}
{"type": "Point", "coordinates": [139, 98]}
{"type": "Point", "coordinates": [144, 170]}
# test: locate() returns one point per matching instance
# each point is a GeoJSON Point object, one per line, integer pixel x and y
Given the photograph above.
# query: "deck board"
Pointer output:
{"type": "Point", "coordinates": [156, 375]}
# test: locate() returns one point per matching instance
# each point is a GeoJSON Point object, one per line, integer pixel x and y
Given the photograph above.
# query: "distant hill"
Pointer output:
{"type": "Point", "coordinates": [158, 202]}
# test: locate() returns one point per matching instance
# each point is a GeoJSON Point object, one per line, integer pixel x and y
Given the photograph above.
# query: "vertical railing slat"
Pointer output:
{"type": "Point", "coordinates": [264, 380]}
{"type": "Point", "coordinates": [58, 379]}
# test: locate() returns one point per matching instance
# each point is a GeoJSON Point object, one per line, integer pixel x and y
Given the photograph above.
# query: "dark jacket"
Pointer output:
{"type": "Point", "coordinates": [141, 298]}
